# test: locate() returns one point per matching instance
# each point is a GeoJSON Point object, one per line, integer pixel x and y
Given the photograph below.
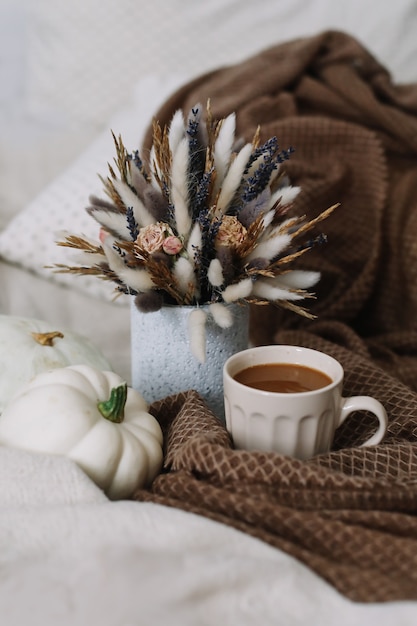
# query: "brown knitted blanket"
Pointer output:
{"type": "Point", "coordinates": [350, 514]}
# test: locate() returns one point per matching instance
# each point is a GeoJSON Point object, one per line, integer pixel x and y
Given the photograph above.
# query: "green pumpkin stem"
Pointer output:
{"type": "Point", "coordinates": [113, 408]}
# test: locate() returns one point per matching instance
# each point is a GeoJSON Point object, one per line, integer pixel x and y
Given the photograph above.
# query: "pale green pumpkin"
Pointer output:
{"type": "Point", "coordinates": [29, 346]}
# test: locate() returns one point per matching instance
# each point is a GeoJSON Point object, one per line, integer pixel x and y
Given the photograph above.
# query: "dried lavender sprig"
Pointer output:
{"type": "Point", "coordinates": [268, 149]}
{"type": "Point", "coordinates": [312, 243]}
{"type": "Point", "coordinates": [197, 152]}
{"type": "Point", "coordinates": [202, 193]}
{"type": "Point", "coordinates": [284, 155]}
{"type": "Point", "coordinates": [209, 230]}
{"type": "Point", "coordinates": [192, 127]}
{"type": "Point", "coordinates": [132, 223]}
{"type": "Point", "coordinates": [136, 158]}
{"type": "Point", "coordinates": [257, 183]}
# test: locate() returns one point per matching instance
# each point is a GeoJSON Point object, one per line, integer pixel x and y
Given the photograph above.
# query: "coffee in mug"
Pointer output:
{"type": "Point", "coordinates": [283, 377]}
{"type": "Point", "coordinates": [288, 399]}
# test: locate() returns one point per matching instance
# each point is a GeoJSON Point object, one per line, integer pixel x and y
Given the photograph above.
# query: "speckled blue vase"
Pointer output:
{"type": "Point", "coordinates": [162, 363]}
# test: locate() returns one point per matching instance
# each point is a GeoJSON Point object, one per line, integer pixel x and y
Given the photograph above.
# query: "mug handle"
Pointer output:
{"type": "Point", "coordinates": [366, 403]}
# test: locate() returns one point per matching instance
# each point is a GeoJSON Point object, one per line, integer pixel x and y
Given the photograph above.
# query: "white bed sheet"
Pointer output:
{"type": "Point", "coordinates": [70, 557]}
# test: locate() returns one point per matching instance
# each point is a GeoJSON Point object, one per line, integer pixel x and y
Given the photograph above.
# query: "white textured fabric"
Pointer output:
{"type": "Point", "coordinates": [69, 556]}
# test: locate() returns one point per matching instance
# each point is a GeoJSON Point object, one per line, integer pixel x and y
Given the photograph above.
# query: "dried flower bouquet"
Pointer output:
{"type": "Point", "coordinates": [204, 223]}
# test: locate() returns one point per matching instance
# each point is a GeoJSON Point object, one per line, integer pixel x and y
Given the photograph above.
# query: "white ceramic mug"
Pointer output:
{"type": "Point", "coordinates": [300, 424]}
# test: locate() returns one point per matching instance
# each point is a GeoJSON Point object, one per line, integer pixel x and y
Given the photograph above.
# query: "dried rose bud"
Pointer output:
{"type": "Point", "coordinates": [172, 245]}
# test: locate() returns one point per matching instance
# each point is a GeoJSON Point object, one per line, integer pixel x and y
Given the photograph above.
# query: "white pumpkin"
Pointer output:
{"type": "Point", "coordinates": [29, 346]}
{"type": "Point", "coordinates": [92, 417]}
